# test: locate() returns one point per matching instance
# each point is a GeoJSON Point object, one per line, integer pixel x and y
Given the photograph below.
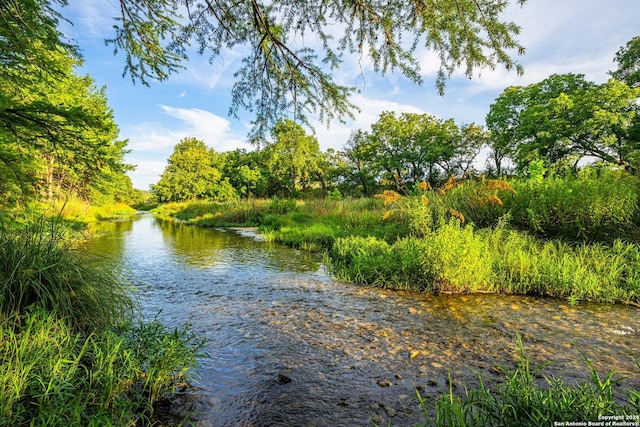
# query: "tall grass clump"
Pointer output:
{"type": "Point", "coordinates": [52, 375]}
{"type": "Point", "coordinates": [594, 205]}
{"type": "Point", "coordinates": [39, 267]}
{"type": "Point", "coordinates": [524, 400]}
{"type": "Point", "coordinates": [458, 258]}
{"type": "Point", "coordinates": [70, 354]}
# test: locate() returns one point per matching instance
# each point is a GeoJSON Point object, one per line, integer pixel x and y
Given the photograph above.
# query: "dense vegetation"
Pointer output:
{"type": "Point", "coordinates": [71, 354]}
{"type": "Point", "coordinates": [71, 349]}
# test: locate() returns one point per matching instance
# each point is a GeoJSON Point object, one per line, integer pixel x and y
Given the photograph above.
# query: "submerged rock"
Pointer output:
{"type": "Point", "coordinates": [283, 379]}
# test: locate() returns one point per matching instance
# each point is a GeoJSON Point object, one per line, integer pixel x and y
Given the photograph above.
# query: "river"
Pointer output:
{"type": "Point", "coordinates": [288, 346]}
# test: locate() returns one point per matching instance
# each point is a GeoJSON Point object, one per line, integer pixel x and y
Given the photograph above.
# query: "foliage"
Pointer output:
{"type": "Point", "coordinates": [455, 258]}
{"type": "Point", "coordinates": [628, 60]}
{"type": "Point", "coordinates": [38, 267]}
{"type": "Point", "coordinates": [57, 134]}
{"type": "Point", "coordinates": [292, 158]}
{"type": "Point", "coordinates": [70, 354]}
{"type": "Point", "coordinates": [51, 374]}
{"type": "Point", "coordinates": [403, 151]}
{"type": "Point", "coordinates": [594, 205]}
{"type": "Point", "coordinates": [193, 172]}
{"type": "Point", "coordinates": [521, 401]}
{"type": "Point", "coordinates": [281, 73]}
{"type": "Point", "coordinates": [565, 118]}
{"type": "Point", "coordinates": [410, 147]}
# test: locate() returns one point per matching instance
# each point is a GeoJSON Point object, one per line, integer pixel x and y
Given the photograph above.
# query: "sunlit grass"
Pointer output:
{"type": "Point", "coordinates": [39, 267]}
{"type": "Point", "coordinates": [69, 352]}
{"type": "Point", "coordinates": [53, 375]}
{"type": "Point", "coordinates": [528, 398]}
{"type": "Point", "coordinates": [455, 258]}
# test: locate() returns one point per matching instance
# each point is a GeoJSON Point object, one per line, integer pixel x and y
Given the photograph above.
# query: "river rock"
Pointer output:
{"type": "Point", "coordinates": [283, 379]}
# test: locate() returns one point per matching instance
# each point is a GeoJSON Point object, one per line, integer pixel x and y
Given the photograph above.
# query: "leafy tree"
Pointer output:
{"type": "Point", "coordinates": [192, 173]}
{"type": "Point", "coordinates": [56, 131]}
{"type": "Point", "coordinates": [628, 60]}
{"type": "Point", "coordinates": [503, 122]}
{"type": "Point", "coordinates": [282, 72]}
{"type": "Point", "coordinates": [246, 172]}
{"type": "Point", "coordinates": [412, 148]}
{"type": "Point", "coordinates": [293, 158]}
{"type": "Point", "coordinates": [360, 154]}
{"type": "Point", "coordinates": [471, 138]}
{"type": "Point", "coordinates": [563, 118]}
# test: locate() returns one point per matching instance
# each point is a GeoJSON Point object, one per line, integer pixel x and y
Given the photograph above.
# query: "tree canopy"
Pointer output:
{"type": "Point", "coordinates": [292, 47]}
{"type": "Point", "coordinates": [628, 60]}
{"type": "Point", "coordinates": [193, 172]}
{"type": "Point", "coordinates": [567, 118]}
{"type": "Point", "coordinates": [57, 131]}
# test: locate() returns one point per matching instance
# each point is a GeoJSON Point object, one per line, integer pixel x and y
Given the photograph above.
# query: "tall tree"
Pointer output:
{"type": "Point", "coordinates": [413, 147]}
{"type": "Point", "coordinates": [466, 147]}
{"type": "Point", "coordinates": [360, 154]}
{"type": "Point", "coordinates": [566, 118]}
{"type": "Point", "coordinates": [293, 158]}
{"type": "Point", "coordinates": [56, 129]}
{"type": "Point", "coordinates": [192, 173]}
{"type": "Point", "coordinates": [628, 60]}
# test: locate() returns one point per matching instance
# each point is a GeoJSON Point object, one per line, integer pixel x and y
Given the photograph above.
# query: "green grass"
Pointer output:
{"type": "Point", "coordinates": [51, 375]}
{"type": "Point", "coordinates": [572, 237]}
{"type": "Point", "coordinates": [70, 355]}
{"type": "Point", "coordinates": [523, 400]}
{"type": "Point", "coordinates": [456, 258]}
{"type": "Point", "coordinates": [39, 267]}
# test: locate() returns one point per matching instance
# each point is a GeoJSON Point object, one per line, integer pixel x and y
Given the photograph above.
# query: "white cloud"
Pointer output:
{"type": "Point", "coordinates": [147, 172]}
{"type": "Point", "coordinates": [90, 18]}
{"type": "Point", "coordinates": [154, 140]}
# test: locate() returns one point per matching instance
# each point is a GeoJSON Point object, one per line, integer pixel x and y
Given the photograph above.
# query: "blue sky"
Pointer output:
{"type": "Point", "coordinates": [560, 36]}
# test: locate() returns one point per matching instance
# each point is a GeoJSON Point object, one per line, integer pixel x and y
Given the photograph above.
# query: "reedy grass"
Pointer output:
{"type": "Point", "coordinates": [522, 400]}
{"type": "Point", "coordinates": [69, 353]}
{"type": "Point", "coordinates": [468, 236]}
{"type": "Point", "coordinates": [39, 267]}
{"type": "Point", "coordinates": [456, 258]}
{"type": "Point", "coordinates": [51, 375]}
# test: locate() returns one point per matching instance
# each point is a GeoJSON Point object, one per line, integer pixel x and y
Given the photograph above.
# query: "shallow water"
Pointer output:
{"type": "Point", "coordinates": [288, 346]}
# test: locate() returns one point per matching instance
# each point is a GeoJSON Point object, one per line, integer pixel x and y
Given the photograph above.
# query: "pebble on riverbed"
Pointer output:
{"type": "Point", "coordinates": [384, 383]}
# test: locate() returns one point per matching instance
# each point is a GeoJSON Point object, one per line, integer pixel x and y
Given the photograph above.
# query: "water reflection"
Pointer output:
{"type": "Point", "coordinates": [288, 346]}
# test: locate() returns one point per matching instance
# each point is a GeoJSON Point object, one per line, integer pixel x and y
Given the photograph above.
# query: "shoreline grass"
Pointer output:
{"type": "Point", "coordinates": [462, 237]}
{"type": "Point", "coordinates": [71, 352]}
{"type": "Point", "coordinates": [528, 398]}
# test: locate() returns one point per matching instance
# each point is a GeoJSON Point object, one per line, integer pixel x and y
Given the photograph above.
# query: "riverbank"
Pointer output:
{"type": "Point", "coordinates": [515, 237]}
{"type": "Point", "coordinates": [73, 351]}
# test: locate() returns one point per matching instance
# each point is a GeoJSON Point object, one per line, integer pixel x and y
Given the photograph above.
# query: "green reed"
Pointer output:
{"type": "Point", "coordinates": [522, 399]}
{"type": "Point", "coordinates": [457, 258]}
{"type": "Point", "coordinates": [39, 267]}
{"type": "Point", "coordinates": [69, 353]}
{"type": "Point", "coordinates": [51, 375]}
